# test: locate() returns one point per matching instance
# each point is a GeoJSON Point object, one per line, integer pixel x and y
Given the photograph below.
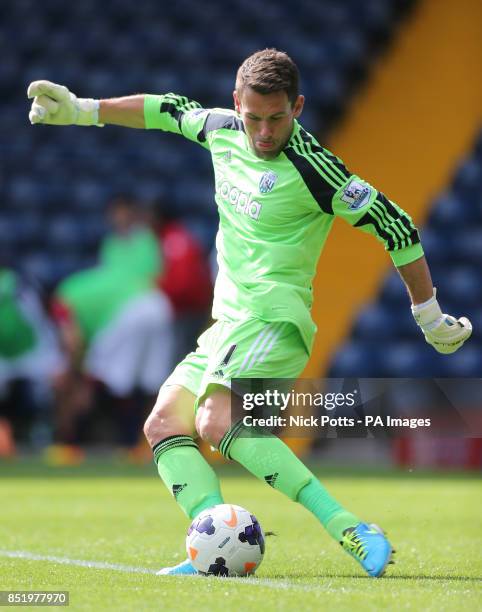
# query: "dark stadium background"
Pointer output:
{"type": "Point", "coordinates": [392, 87]}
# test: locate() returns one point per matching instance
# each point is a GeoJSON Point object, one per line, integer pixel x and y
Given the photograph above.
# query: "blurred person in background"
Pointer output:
{"type": "Point", "coordinates": [30, 361]}
{"type": "Point", "coordinates": [116, 330]}
{"type": "Point", "coordinates": [185, 278]}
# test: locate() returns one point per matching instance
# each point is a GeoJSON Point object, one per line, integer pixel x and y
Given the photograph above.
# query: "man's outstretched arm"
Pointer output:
{"type": "Point", "coordinates": [127, 111]}
{"type": "Point", "coordinates": [54, 104]}
{"type": "Point", "coordinates": [416, 276]}
{"type": "Point", "coordinates": [364, 207]}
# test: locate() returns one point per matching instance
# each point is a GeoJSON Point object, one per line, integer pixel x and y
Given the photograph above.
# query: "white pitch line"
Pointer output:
{"type": "Point", "coordinates": [29, 556]}
{"type": "Point", "coordinates": [104, 565]}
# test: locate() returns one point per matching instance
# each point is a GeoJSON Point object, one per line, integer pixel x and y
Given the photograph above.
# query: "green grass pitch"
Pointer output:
{"type": "Point", "coordinates": [120, 514]}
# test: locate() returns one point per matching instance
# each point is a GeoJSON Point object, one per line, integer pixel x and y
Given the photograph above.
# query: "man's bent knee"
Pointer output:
{"type": "Point", "coordinates": [213, 418]}
{"type": "Point", "coordinates": [172, 415]}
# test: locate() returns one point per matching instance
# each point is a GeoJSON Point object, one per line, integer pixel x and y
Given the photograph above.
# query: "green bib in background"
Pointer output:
{"type": "Point", "coordinates": [17, 336]}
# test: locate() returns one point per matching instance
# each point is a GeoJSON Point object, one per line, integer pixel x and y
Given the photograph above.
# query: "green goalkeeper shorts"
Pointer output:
{"type": "Point", "coordinates": [242, 349]}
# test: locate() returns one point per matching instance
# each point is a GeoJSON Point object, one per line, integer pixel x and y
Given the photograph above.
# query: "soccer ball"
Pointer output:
{"type": "Point", "coordinates": [225, 540]}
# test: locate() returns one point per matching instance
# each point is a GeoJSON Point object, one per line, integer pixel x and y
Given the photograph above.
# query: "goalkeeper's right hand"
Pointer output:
{"type": "Point", "coordinates": [55, 105]}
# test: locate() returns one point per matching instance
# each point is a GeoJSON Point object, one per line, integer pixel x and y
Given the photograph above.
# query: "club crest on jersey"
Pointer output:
{"type": "Point", "coordinates": [356, 194]}
{"type": "Point", "coordinates": [267, 181]}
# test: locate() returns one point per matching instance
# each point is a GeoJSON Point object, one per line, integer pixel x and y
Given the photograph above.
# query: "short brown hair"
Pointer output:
{"type": "Point", "coordinates": [269, 71]}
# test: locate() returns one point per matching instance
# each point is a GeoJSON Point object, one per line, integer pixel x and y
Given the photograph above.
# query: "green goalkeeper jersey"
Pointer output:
{"type": "Point", "coordinates": [275, 215]}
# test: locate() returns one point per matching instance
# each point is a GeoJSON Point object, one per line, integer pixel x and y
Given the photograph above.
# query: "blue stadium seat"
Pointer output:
{"type": "Point", "coordinates": [438, 245]}
{"type": "Point", "coordinates": [149, 190]}
{"type": "Point", "coordinates": [358, 359]}
{"type": "Point", "coordinates": [393, 291]}
{"type": "Point", "coordinates": [8, 228]}
{"type": "Point", "coordinates": [376, 14]}
{"type": "Point", "coordinates": [449, 212]}
{"type": "Point", "coordinates": [329, 88]}
{"type": "Point", "coordinates": [65, 232]}
{"type": "Point", "coordinates": [9, 69]}
{"type": "Point", "coordinates": [467, 362]}
{"type": "Point", "coordinates": [47, 270]}
{"type": "Point", "coordinates": [385, 322]}
{"type": "Point", "coordinates": [22, 191]}
{"type": "Point", "coordinates": [351, 48]}
{"type": "Point", "coordinates": [194, 197]}
{"type": "Point", "coordinates": [39, 266]}
{"type": "Point", "coordinates": [414, 359]}
{"type": "Point", "coordinates": [375, 321]}
{"type": "Point", "coordinates": [94, 227]}
{"type": "Point", "coordinates": [30, 230]}
{"type": "Point", "coordinates": [467, 246]}
{"type": "Point", "coordinates": [468, 178]}
{"type": "Point", "coordinates": [87, 194]}
{"type": "Point", "coordinates": [102, 82]}
{"type": "Point", "coordinates": [476, 319]}
{"type": "Point", "coordinates": [463, 285]}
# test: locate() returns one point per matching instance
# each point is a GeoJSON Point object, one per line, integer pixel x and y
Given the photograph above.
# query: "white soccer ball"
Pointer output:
{"type": "Point", "coordinates": [225, 540]}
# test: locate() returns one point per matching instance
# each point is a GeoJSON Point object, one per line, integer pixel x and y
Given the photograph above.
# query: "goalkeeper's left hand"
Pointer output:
{"type": "Point", "coordinates": [445, 333]}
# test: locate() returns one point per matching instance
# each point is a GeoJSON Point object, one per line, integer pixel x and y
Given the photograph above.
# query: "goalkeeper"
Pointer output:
{"type": "Point", "coordinates": [277, 192]}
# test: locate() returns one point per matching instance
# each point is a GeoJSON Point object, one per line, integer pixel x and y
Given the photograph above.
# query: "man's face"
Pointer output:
{"type": "Point", "coordinates": [268, 119]}
{"type": "Point", "coordinates": [122, 216]}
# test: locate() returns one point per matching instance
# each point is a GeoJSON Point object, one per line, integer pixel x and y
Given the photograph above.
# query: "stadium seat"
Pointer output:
{"type": "Point", "coordinates": [393, 291]}
{"type": "Point", "coordinates": [414, 359]}
{"type": "Point", "coordinates": [449, 212]}
{"type": "Point", "coordinates": [88, 194]}
{"type": "Point", "coordinates": [8, 224]}
{"type": "Point", "coordinates": [375, 321]}
{"type": "Point", "coordinates": [463, 286]}
{"type": "Point", "coordinates": [357, 359]}
{"type": "Point", "coordinates": [64, 233]}
{"type": "Point", "coordinates": [40, 267]}
{"type": "Point", "coordinates": [438, 245]}
{"type": "Point", "coordinates": [466, 363]}
{"type": "Point", "coordinates": [468, 178]}
{"type": "Point", "coordinates": [467, 246]}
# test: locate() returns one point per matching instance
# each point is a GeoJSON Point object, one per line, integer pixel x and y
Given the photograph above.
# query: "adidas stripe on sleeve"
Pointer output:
{"type": "Point", "coordinates": [340, 193]}
{"type": "Point", "coordinates": [173, 113]}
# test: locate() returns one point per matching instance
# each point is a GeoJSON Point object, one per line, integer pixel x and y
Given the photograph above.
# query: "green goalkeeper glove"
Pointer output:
{"type": "Point", "coordinates": [55, 105]}
{"type": "Point", "coordinates": [445, 333]}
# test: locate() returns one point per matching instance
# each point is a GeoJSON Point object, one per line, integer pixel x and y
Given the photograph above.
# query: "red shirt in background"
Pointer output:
{"type": "Point", "coordinates": [186, 278]}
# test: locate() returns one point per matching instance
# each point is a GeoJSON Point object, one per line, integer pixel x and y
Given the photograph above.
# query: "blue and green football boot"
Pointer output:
{"type": "Point", "coordinates": [369, 546]}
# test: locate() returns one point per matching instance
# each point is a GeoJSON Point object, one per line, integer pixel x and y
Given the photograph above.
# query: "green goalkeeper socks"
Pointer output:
{"type": "Point", "coordinates": [187, 475]}
{"type": "Point", "coordinates": [195, 486]}
{"type": "Point", "coordinates": [334, 518]}
{"type": "Point", "coordinates": [271, 460]}
{"type": "Point", "coordinates": [268, 458]}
